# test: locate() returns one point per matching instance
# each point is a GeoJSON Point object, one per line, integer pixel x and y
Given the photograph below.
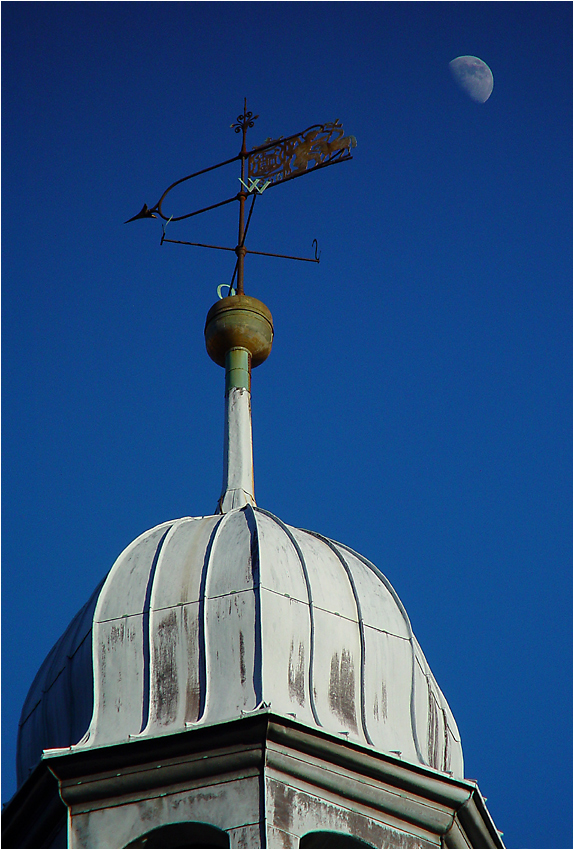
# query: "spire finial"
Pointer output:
{"type": "Point", "coordinates": [243, 122]}
{"type": "Point", "coordinates": [238, 336]}
{"type": "Point", "coordinates": [239, 329]}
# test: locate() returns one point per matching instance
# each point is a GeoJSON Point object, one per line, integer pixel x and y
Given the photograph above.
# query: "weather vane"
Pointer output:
{"type": "Point", "coordinates": [264, 166]}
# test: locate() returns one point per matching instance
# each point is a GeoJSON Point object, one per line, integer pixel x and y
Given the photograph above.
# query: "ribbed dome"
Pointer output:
{"type": "Point", "coordinates": [201, 620]}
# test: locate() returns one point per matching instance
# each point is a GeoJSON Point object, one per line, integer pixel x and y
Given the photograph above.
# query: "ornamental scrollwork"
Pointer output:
{"type": "Point", "coordinates": [281, 159]}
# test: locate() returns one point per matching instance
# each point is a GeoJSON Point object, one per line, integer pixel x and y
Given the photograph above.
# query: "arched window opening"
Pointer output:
{"type": "Point", "coordinates": [192, 836]}
{"type": "Point", "coordinates": [331, 840]}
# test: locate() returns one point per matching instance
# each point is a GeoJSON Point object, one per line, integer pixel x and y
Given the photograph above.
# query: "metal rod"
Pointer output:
{"type": "Point", "coordinates": [157, 207]}
{"type": "Point", "coordinates": [240, 250]}
{"type": "Point", "coordinates": [249, 218]}
{"type": "Point", "coordinates": [198, 244]}
{"type": "Point", "coordinates": [197, 212]}
{"type": "Point", "coordinates": [233, 276]}
{"type": "Point", "coordinates": [247, 251]}
{"type": "Point", "coordinates": [283, 256]}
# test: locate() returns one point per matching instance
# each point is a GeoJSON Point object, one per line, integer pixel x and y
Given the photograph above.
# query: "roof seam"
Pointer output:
{"type": "Point", "coordinates": [299, 552]}
{"type": "Point", "coordinates": [47, 689]}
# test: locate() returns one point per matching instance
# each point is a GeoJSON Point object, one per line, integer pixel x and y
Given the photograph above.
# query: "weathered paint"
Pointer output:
{"type": "Point", "coordinates": [238, 487]}
{"type": "Point", "coordinates": [202, 620]}
{"type": "Point", "coordinates": [265, 780]}
{"type": "Point", "coordinates": [222, 805]}
{"type": "Point", "coordinates": [297, 812]}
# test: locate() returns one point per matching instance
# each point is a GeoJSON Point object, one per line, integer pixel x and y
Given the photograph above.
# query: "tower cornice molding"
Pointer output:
{"type": "Point", "coordinates": [432, 807]}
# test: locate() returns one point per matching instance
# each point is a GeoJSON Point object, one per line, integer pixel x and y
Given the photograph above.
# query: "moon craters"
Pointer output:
{"type": "Point", "coordinates": [473, 76]}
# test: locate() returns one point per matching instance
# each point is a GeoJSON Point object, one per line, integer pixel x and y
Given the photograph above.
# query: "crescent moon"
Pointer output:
{"type": "Point", "coordinates": [473, 76]}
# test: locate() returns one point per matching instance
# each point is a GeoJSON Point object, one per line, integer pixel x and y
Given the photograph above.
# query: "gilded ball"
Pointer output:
{"type": "Point", "coordinates": [239, 321]}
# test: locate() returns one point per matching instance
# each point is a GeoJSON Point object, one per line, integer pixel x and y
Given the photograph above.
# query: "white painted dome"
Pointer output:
{"type": "Point", "coordinates": [202, 620]}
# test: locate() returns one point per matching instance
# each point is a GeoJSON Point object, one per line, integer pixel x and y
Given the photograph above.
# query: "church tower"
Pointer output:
{"type": "Point", "coordinates": [237, 682]}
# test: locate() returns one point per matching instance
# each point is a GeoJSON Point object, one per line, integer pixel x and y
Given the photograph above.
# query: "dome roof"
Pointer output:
{"type": "Point", "coordinates": [202, 620]}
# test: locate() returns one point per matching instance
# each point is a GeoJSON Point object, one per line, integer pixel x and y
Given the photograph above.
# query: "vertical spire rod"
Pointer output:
{"type": "Point", "coordinates": [238, 336]}
{"type": "Point", "coordinates": [240, 250]}
{"type": "Point", "coordinates": [238, 486]}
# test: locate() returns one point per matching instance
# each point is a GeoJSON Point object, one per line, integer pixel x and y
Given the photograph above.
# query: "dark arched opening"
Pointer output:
{"type": "Point", "coordinates": [331, 840]}
{"type": "Point", "coordinates": [192, 836]}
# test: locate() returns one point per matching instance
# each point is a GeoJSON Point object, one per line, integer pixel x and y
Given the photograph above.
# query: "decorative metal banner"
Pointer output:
{"type": "Point", "coordinates": [269, 164]}
{"type": "Point", "coordinates": [283, 159]}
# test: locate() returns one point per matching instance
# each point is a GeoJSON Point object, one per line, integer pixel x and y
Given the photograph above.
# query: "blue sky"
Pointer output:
{"type": "Point", "coordinates": [417, 402]}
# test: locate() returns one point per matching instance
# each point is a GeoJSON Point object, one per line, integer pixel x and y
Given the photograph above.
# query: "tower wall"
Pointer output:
{"type": "Point", "coordinates": [261, 781]}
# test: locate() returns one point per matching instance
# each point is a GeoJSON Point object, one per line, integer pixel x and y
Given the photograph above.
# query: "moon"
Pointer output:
{"type": "Point", "coordinates": [473, 76]}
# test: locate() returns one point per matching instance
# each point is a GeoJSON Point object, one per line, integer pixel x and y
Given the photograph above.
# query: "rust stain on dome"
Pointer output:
{"type": "Point", "coordinates": [342, 688]}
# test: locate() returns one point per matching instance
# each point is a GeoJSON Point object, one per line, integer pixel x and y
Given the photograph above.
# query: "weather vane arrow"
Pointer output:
{"type": "Point", "coordinates": [264, 166]}
{"type": "Point", "coordinates": [145, 212]}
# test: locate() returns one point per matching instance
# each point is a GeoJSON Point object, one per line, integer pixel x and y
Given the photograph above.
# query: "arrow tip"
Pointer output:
{"type": "Point", "coordinates": [145, 212]}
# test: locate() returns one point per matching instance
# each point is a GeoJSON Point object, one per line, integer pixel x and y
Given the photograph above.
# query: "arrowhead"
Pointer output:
{"type": "Point", "coordinates": [145, 212]}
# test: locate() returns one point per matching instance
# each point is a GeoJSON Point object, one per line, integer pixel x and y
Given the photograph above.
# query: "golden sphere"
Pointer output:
{"type": "Point", "coordinates": [239, 321]}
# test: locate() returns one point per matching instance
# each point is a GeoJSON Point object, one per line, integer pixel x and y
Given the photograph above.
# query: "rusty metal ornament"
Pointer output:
{"type": "Point", "coordinates": [264, 166]}
{"type": "Point", "coordinates": [317, 146]}
{"type": "Point", "coordinates": [244, 121]}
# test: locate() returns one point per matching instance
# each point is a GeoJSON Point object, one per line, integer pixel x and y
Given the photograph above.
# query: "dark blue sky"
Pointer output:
{"type": "Point", "coordinates": [417, 402]}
